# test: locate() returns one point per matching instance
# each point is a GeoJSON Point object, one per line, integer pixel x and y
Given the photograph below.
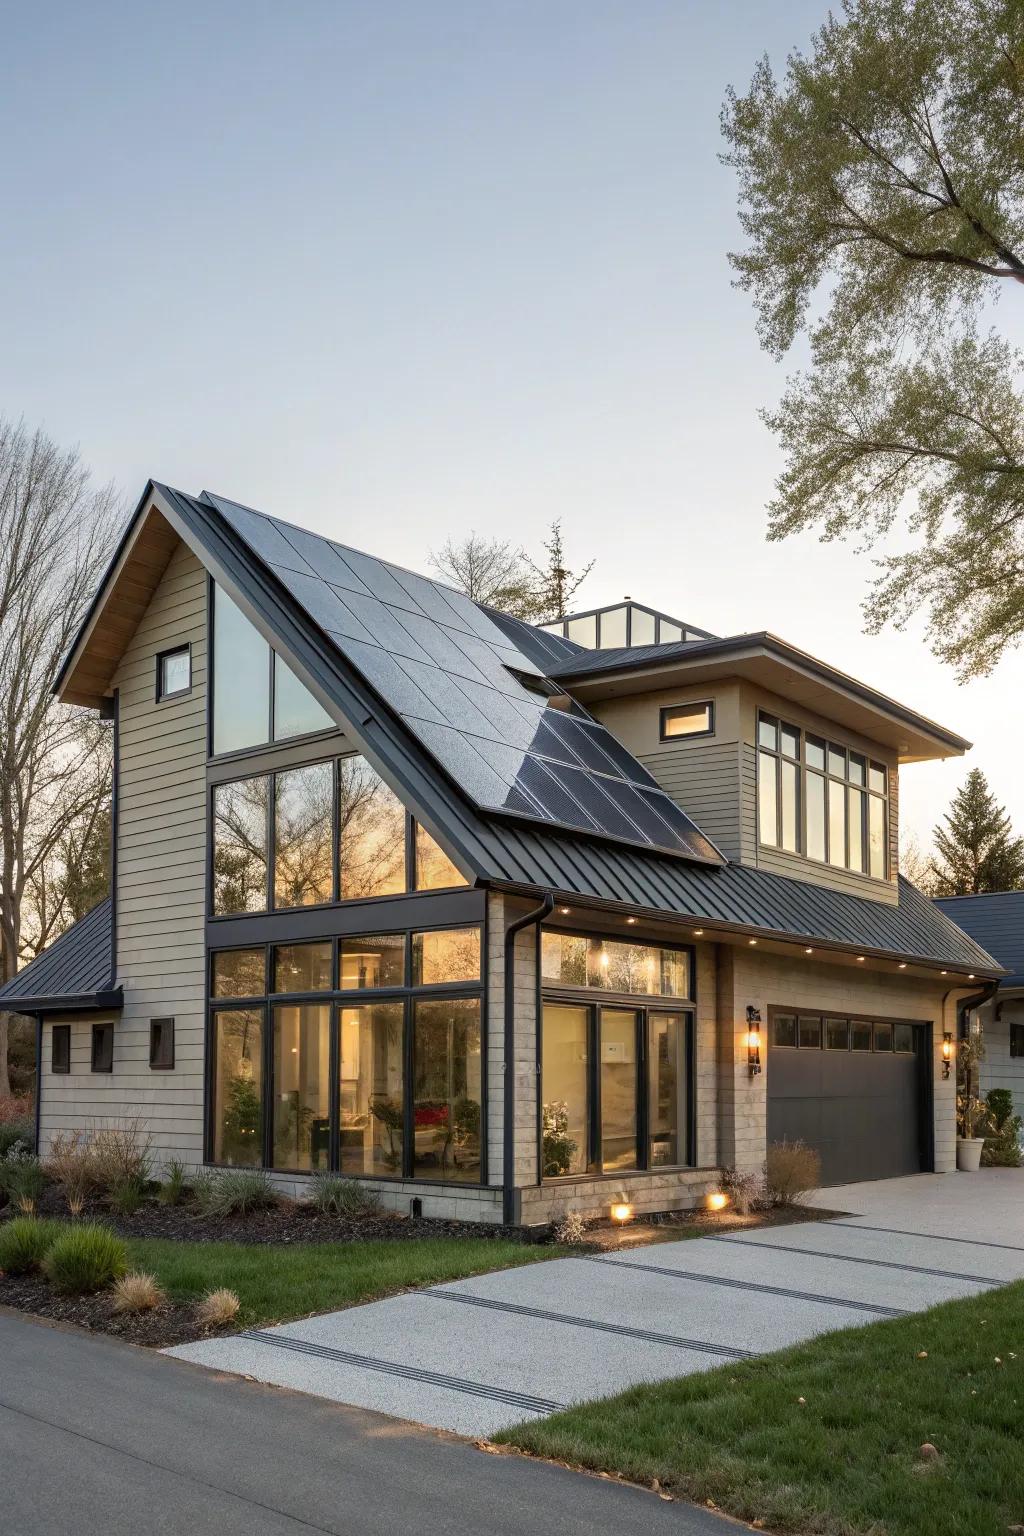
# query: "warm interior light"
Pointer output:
{"type": "Point", "coordinates": [622, 1212]}
{"type": "Point", "coordinates": [718, 1200]}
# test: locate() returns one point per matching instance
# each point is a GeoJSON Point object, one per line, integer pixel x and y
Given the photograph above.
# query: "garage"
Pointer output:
{"type": "Point", "coordinates": [854, 1089]}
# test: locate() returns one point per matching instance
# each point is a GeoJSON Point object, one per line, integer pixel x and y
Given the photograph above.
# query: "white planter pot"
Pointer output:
{"type": "Point", "coordinates": [968, 1153]}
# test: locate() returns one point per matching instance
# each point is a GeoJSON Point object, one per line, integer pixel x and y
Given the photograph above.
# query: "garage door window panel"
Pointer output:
{"type": "Point", "coordinates": [810, 1032]}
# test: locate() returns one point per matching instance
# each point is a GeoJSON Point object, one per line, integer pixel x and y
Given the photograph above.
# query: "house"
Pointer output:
{"type": "Point", "coordinates": [996, 921]}
{"type": "Point", "coordinates": [508, 920]}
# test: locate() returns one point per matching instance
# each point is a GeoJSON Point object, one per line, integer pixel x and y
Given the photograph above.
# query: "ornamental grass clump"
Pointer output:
{"type": "Point", "coordinates": [172, 1190]}
{"type": "Point", "coordinates": [85, 1259]}
{"type": "Point", "coordinates": [791, 1170]}
{"type": "Point", "coordinates": [333, 1195]}
{"type": "Point", "coordinates": [25, 1242]}
{"type": "Point", "coordinates": [236, 1192]}
{"type": "Point", "coordinates": [137, 1292]}
{"type": "Point", "coordinates": [217, 1308]}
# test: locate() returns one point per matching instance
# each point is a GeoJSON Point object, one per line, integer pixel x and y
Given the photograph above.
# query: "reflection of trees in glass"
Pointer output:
{"type": "Point", "coordinates": [240, 846]}
{"type": "Point", "coordinates": [238, 973]}
{"type": "Point", "coordinates": [447, 1087]}
{"type": "Point", "coordinates": [303, 805]}
{"type": "Point", "coordinates": [559, 1148]}
{"type": "Point", "coordinates": [614, 966]}
{"type": "Point", "coordinates": [238, 1119]}
{"type": "Point", "coordinates": [371, 831]}
{"type": "Point", "coordinates": [434, 869]}
{"type": "Point", "coordinates": [446, 954]}
{"type": "Point", "coordinates": [390, 1115]}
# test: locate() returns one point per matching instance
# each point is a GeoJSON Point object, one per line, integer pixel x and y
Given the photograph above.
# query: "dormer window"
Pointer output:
{"type": "Point", "coordinates": [821, 799]}
{"type": "Point", "coordinates": [174, 673]}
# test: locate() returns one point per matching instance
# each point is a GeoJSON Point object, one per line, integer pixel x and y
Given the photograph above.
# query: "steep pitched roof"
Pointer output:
{"type": "Point", "coordinates": [997, 922]}
{"type": "Point", "coordinates": [73, 972]}
{"type": "Point", "coordinates": [391, 652]}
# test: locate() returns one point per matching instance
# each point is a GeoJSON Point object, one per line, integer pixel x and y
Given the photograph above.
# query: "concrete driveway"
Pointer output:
{"type": "Point", "coordinates": [476, 1355]}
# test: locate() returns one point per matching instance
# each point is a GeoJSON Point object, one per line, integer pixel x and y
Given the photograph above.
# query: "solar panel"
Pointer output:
{"type": "Point", "coordinates": [456, 680]}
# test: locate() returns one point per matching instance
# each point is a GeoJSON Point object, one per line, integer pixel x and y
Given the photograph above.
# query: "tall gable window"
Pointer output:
{"type": "Point", "coordinates": [820, 799]}
{"type": "Point", "coordinates": [325, 832]}
{"type": "Point", "coordinates": [256, 696]}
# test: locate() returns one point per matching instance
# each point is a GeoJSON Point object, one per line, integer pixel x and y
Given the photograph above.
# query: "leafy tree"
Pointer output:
{"type": "Point", "coordinates": [881, 188]}
{"type": "Point", "coordinates": [503, 576]}
{"type": "Point", "coordinates": [977, 849]}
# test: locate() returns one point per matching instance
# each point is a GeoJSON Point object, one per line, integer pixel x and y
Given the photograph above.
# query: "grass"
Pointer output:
{"type": "Point", "coordinates": [275, 1283]}
{"type": "Point", "coordinates": [824, 1438]}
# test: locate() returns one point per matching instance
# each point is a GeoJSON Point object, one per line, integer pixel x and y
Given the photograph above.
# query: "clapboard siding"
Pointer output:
{"type": "Point", "coordinates": [161, 854]}
{"type": "Point", "coordinates": [704, 782]}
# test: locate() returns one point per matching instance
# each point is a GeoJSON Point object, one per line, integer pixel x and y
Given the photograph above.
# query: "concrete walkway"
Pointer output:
{"type": "Point", "coordinates": [476, 1355]}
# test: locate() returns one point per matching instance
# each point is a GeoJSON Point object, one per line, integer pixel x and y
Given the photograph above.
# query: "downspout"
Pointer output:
{"type": "Point", "coordinates": [976, 1000]}
{"type": "Point", "coordinates": [535, 916]}
{"type": "Point", "coordinates": [39, 1075]}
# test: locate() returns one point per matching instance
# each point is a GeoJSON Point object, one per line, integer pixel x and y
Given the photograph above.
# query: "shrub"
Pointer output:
{"type": "Point", "coordinates": [120, 1154]}
{"type": "Point", "coordinates": [172, 1190]}
{"type": "Point", "coordinates": [22, 1179]}
{"type": "Point", "coordinates": [15, 1107]}
{"type": "Point", "coordinates": [236, 1191]}
{"type": "Point", "coordinates": [86, 1258]}
{"type": "Point", "coordinates": [25, 1242]}
{"type": "Point", "coordinates": [791, 1169]}
{"type": "Point", "coordinates": [1001, 1130]}
{"type": "Point", "coordinates": [17, 1133]}
{"type": "Point", "coordinates": [334, 1196]}
{"type": "Point", "coordinates": [127, 1196]}
{"type": "Point", "coordinates": [571, 1229]}
{"type": "Point", "coordinates": [746, 1190]}
{"type": "Point", "coordinates": [69, 1164]}
{"type": "Point", "coordinates": [217, 1309]}
{"type": "Point", "coordinates": [138, 1292]}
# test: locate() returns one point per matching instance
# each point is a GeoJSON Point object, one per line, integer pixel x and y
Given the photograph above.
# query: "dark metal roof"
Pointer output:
{"type": "Point", "coordinates": [996, 921]}
{"type": "Point", "coordinates": [544, 649]}
{"type": "Point", "coordinates": [73, 972]}
{"type": "Point", "coordinates": [642, 657]}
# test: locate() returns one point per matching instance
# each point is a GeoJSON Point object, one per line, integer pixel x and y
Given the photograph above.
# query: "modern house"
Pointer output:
{"type": "Point", "coordinates": [505, 919]}
{"type": "Point", "coordinates": [997, 922]}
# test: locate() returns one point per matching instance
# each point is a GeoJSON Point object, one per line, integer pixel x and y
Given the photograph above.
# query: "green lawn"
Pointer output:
{"type": "Point", "coordinates": [845, 1459]}
{"type": "Point", "coordinates": [278, 1282]}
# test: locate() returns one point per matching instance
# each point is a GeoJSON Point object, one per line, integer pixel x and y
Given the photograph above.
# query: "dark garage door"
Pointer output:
{"type": "Point", "coordinates": [850, 1088]}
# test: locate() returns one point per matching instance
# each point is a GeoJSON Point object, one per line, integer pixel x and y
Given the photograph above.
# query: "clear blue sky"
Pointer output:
{"type": "Point", "coordinates": [398, 270]}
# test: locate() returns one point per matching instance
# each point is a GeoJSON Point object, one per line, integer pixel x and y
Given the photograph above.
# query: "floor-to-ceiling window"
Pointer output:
{"type": "Point", "coordinates": [616, 1038]}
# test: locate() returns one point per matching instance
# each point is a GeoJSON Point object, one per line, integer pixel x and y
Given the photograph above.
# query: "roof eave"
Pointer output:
{"type": "Point", "coordinates": [82, 1002]}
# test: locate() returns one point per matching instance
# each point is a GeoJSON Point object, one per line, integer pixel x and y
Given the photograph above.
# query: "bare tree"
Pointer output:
{"type": "Point", "coordinates": [490, 571]}
{"type": "Point", "coordinates": [56, 531]}
{"type": "Point", "coordinates": [916, 865]}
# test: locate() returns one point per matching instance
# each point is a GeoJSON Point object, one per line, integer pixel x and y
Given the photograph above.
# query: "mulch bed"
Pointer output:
{"type": "Point", "coordinates": [674, 1224]}
{"type": "Point", "coordinates": [159, 1329]}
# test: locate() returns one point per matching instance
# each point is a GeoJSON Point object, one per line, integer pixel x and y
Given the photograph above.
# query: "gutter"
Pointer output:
{"type": "Point", "coordinates": [535, 916]}
{"type": "Point", "coordinates": [976, 1000]}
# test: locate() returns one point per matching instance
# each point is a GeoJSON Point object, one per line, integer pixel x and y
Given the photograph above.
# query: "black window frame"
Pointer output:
{"type": "Point", "coordinates": [806, 771]}
{"type": "Point", "coordinates": [102, 1033]}
{"type": "Point", "coordinates": [865, 1020]}
{"type": "Point", "coordinates": [1016, 1040]}
{"type": "Point", "coordinates": [60, 1062]}
{"type": "Point", "coordinates": [643, 1005]}
{"type": "Point", "coordinates": [668, 709]}
{"type": "Point", "coordinates": [160, 1031]}
{"type": "Point", "coordinates": [165, 694]}
{"type": "Point", "coordinates": [336, 998]}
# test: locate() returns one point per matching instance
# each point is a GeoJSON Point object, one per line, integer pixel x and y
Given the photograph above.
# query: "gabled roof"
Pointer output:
{"type": "Point", "coordinates": [390, 653]}
{"type": "Point", "coordinates": [72, 974]}
{"type": "Point", "coordinates": [771, 663]}
{"type": "Point", "coordinates": [995, 920]}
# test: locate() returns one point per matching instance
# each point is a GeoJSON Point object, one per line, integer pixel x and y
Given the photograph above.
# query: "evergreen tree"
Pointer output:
{"type": "Point", "coordinates": [977, 849]}
{"type": "Point", "coordinates": [554, 583]}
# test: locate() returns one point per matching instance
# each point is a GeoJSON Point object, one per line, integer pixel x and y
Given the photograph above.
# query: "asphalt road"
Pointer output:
{"type": "Point", "coordinates": [105, 1439]}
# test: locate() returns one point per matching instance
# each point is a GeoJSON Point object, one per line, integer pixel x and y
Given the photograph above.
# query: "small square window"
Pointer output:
{"type": "Point", "coordinates": [837, 1034]}
{"type": "Point", "coordinates": [784, 1029]}
{"type": "Point", "coordinates": [688, 720]}
{"type": "Point", "coordinates": [1017, 1039]}
{"type": "Point", "coordinates": [883, 1037]}
{"type": "Point", "coordinates": [903, 1037]}
{"type": "Point", "coordinates": [174, 672]}
{"type": "Point", "coordinates": [810, 1032]}
{"type": "Point", "coordinates": [161, 1045]}
{"type": "Point", "coordinates": [60, 1048]}
{"type": "Point", "coordinates": [860, 1036]}
{"type": "Point", "coordinates": [103, 1048]}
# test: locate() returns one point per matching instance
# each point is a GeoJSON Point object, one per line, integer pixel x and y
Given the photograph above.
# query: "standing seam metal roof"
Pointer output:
{"type": "Point", "coordinates": [995, 920]}
{"type": "Point", "coordinates": [75, 968]}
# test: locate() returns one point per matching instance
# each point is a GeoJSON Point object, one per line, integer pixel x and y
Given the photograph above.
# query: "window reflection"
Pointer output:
{"type": "Point", "coordinates": [564, 1115]}
{"type": "Point", "coordinates": [371, 832]}
{"type": "Point", "coordinates": [241, 679]}
{"type": "Point", "coordinates": [296, 712]}
{"type": "Point", "coordinates": [302, 967]}
{"type": "Point", "coordinates": [445, 955]}
{"type": "Point", "coordinates": [371, 1090]}
{"type": "Point", "coordinates": [303, 813]}
{"type": "Point", "coordinates": [240, 846]}
{"type": "Point", "coordinates": [373, 960]}
{"type": "Point", "coordinates": [302, 1044]}
{"type": "Point", "coordinates": [446, 1089]}
{"type": "Point", "coordinates": [666, 1064]}
{"type": "Point", "coordinates": [434, 869]}
{"type": "Point", "coordinates": [238, 973]}
{"type": "Point", "coordinates": [238, 1087]}
{"type": "Point", "coordinates": [618, 1088]}
{"type": "Point", "coordinates": [578, 960]}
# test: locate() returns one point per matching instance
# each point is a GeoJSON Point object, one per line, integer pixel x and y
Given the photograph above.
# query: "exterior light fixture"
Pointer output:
{"type": "Point", "coordinates": [903, 965]}
{"type": "Point", "coordinates": [971, 976]}
{"type": "Point", "coordinates": [860, 959]}
{"type": "Point", "coordinates": [751, 941]}
{"type": "Point", "coordinates": [622, 1212]}
{"type": "Point", "coordinates": [947, 1053]}
{"type": "Point", "coordinates": [698, 933]}
{"type": "Point", "coordinates": [943, 973]}
{"type": "Point", "coordinates": [718, 1200]}
{"type": "Point", "coordinates": [630, 919]}
{"type": "Point", "coordinates": [564, 911]}
{"type": "Point", "coordinates": [809, 950]}
{"type": "Point", "coordinates": [753, 1039]}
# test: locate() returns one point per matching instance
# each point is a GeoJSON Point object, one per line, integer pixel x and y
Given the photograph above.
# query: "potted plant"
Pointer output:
{"type": "Point", "coordinates": [970, 1109]}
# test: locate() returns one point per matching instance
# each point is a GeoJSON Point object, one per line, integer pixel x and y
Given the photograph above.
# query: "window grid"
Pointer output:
{"type": "Point", "coordinates": [824, 801]}
{"type": "Point", "coordinates": [789, 1029]}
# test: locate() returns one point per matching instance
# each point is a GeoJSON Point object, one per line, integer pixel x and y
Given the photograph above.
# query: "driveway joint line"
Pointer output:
{"type": "Point", "coordinates": [754, 1285]}
{"type": "Point", "coordinates": [852, 1258]}
{"type": "Point", "coordinates": [513, 1399]}
{"type": "Point", "coordinates": [930, 1237]}
{"type": "Point", "coordinates": [645, 1335]}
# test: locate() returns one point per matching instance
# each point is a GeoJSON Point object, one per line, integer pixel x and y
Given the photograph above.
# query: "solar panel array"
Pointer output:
{"type": "Point", "coordinates": [463, 688]}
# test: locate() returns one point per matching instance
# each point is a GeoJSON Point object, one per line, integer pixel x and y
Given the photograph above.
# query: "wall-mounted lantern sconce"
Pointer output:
{"type": "Point", "coordinates": [753, 1040]}
{"type": "Point", "coordinates": [947, 1053]}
